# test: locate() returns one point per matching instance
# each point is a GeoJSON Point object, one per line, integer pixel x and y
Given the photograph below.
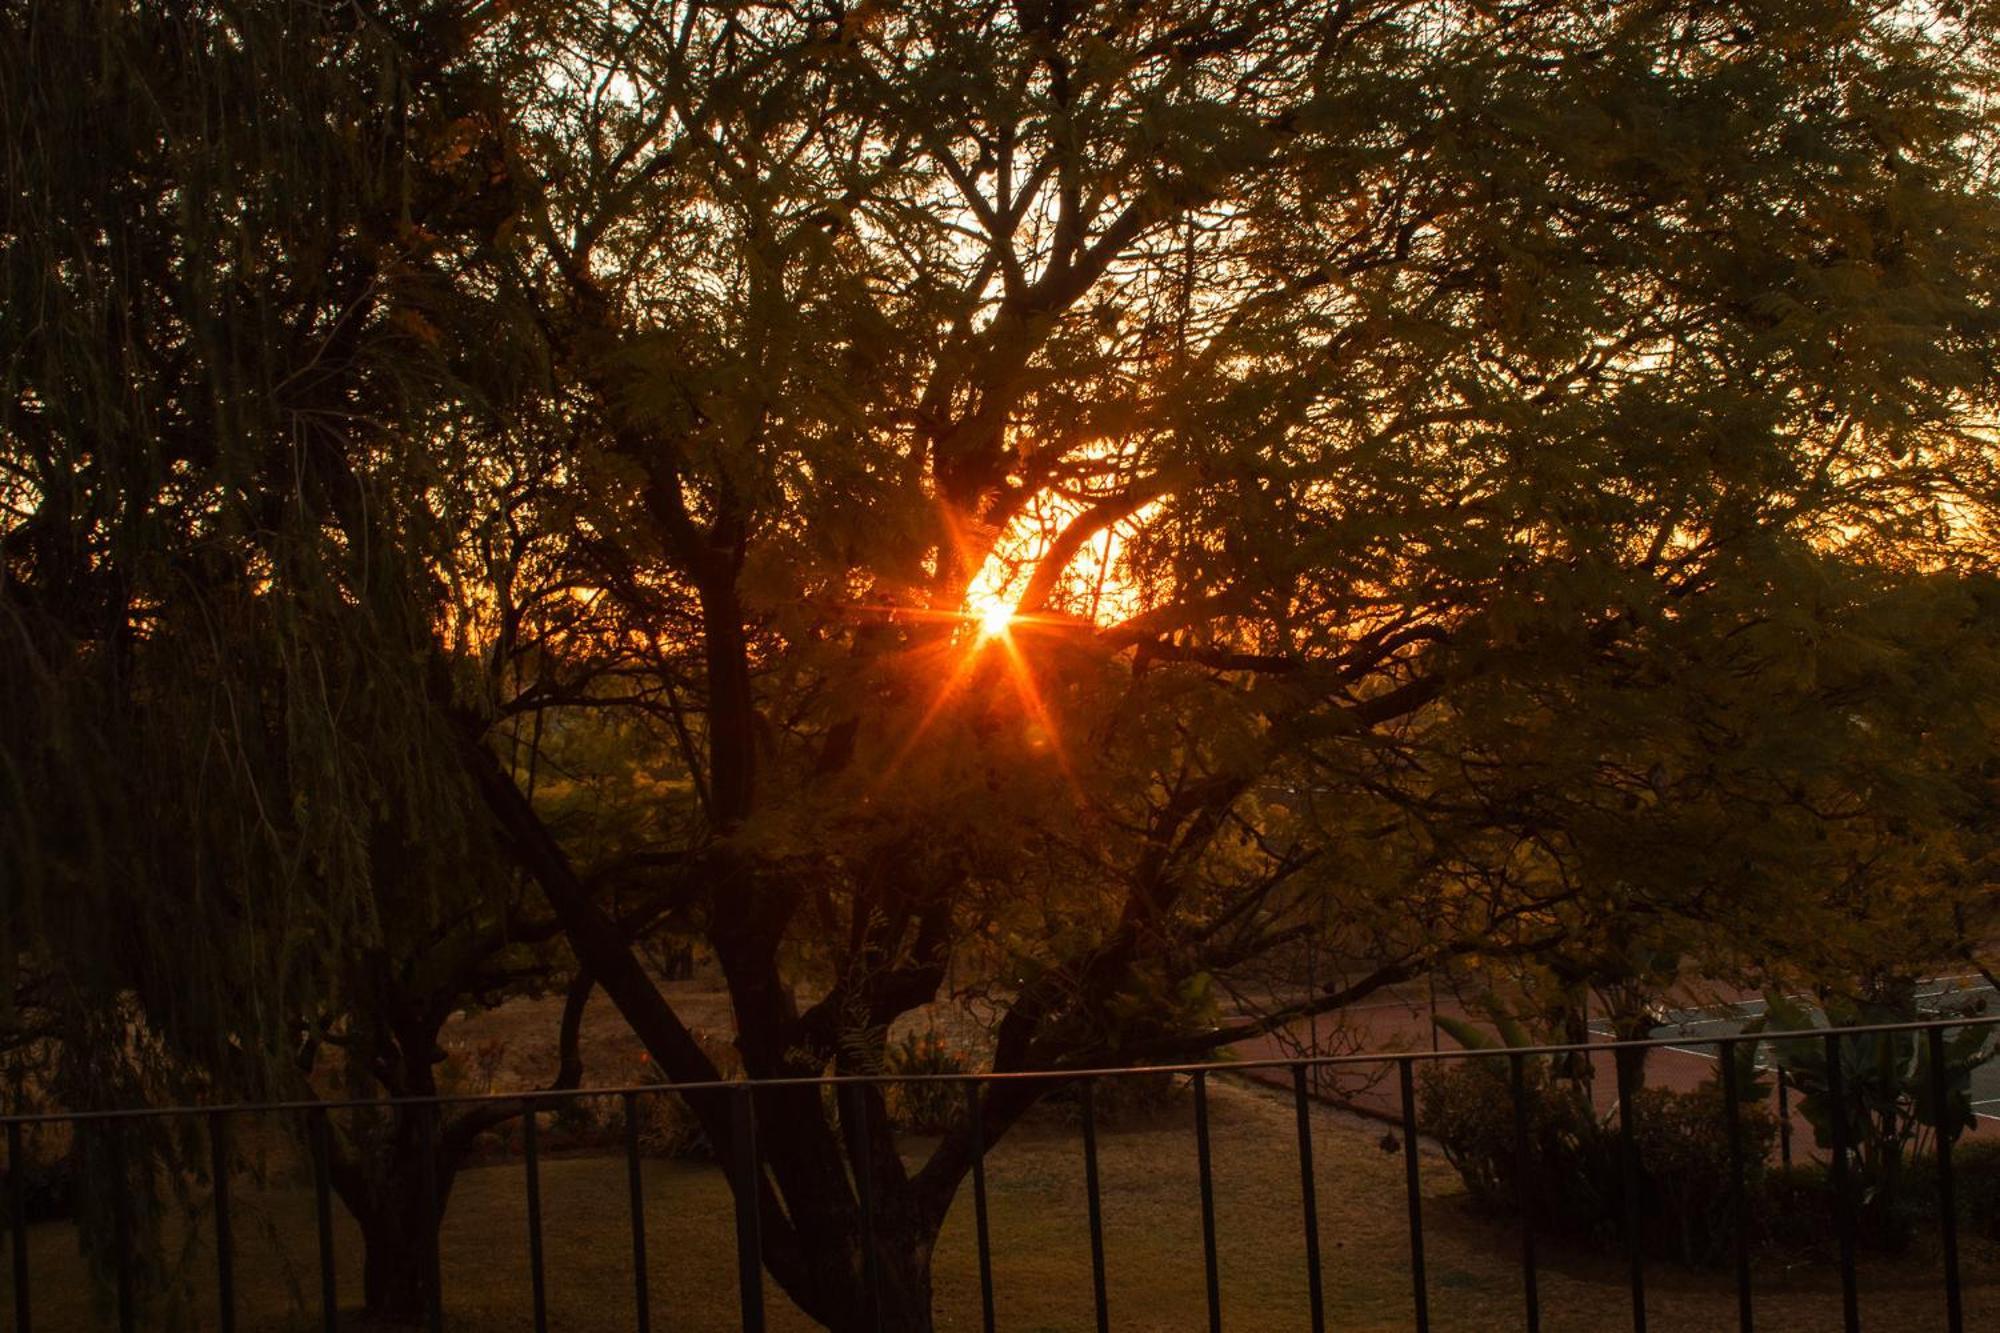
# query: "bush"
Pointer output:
{"type": "Point", "coordinates": [667, 1128]}
{"type": "Point", "coordinates": [49, 1168]}
{"type": "Point", "coordinates": [925, 1108]}
{"type": "Point", "coordinates": [1892, 1120]}
{"type": "Point", "coordinates": [1578, 1170]}
{"type": "Point", "coordinates": [1683, 1142]}
{"type": "Point", "coordinates": [1468, 1108]}
{"type": "Point", "coordinates": [1798, 1213]}
{"type": "Point", "coordinates": [1975, 1178]}
{"type": "Point", "coordinates": [471, 1068]}
{"type": "Point", "coordinates": [583, 1122]}
{"type": "Point", "coordinates": [1124, 1100]}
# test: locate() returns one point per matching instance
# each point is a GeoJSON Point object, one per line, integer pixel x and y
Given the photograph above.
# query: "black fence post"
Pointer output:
{"type": "Point", "coordinates": [1204, 1166]}
{"type": "Point", "coordinates": [1524, 1177]}
{"type": "Point", "coordinates": [1739, 1203]}
{"type": "Point", "coordinates": [975, 1121]}
{"type": "Point", "coordinates": [121, 1224]}
{"type": "Point", "coordinates": [1843, 1194]}
{"type": "Point", "coordinates": [428, 1129]}
{"type": "Point", "coordinates": [112, 1134]}
{"type": "Point", "coordinates": [1626, 1060]}
{"type": "Point", "coordinates": [17, 1216]}
{"type": "Point", "coordinates": [225, 1247]}
{"type": "Point", "coordinates": [1096, 1206]}
{"type": "Point", "coordinates": [531, 1167]}
{"type": "Point", "coordinates": [1954, 1309]}
{"type": "Point", "coordinates": [320, 1134]}
{"type": "Point", "coordinates": [1308, 1198]}
{"type": "Point", "coordinates": [1413, 1197]}
{"type": "Point", "coordinates": [636, 1187]}
{"type": "Point", "coordinates": [749, 1226]}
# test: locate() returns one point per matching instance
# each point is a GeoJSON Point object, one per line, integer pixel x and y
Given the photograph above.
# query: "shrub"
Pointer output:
{"type": "Point", "coordinates": [1468, 1108]}
{"type": "Point", "coordinates": [925, 1108]}
{"type": "Point", "coordinates": [1683, 1143]}
{"type": "Point", "coordinates": [49, 1168]}
{"type": "Point", "coordinates": [667, 1128]}
{"type": "Point", "coordinates": [1797, 1211]}
{"type": "Point", "coordinates": [471, 1068]}
{"type": "Point", "coordinates": [583, 1122]}
{"type": "Point", "coordinates": [1891, 1119]}
{"type": "Point", "coordinates": [1975, 1179]}
{"type": "Point", "coordinates": [1975, 1176]}
{"type": "Point", "coordinates": [1124, 1100]}
{"type": "Point", "coordinates": [1578, 1185]}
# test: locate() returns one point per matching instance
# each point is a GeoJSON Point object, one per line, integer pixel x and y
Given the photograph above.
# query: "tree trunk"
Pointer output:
{"type": "Point", "coordinates": [903, 1283]}
{"type": "Point", "coordinates": [903, 1266]}
{"type": "Point", "coordinates": [836, 1295]}
{"type": "Point", "coordinates": [395, 1266]}
{"type": "Point", "coordinates": [387, 1198]}
{"type": "Point", "coordinates": [810, 1216]}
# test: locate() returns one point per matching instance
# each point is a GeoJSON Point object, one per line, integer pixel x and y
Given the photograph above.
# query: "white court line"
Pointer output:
{"type": "Point", "coordinates": [1597, 1031]}
{"type": "Point", "coordinates": [1941, 983]}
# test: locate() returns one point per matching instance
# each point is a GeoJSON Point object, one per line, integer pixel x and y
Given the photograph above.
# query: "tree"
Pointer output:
{"type": "Point", "coordinates": [234, 823]}
{"type": "Point", "coordinates": [1438, 372]}
{"type": "Point", "coordinates": [1383, 411]}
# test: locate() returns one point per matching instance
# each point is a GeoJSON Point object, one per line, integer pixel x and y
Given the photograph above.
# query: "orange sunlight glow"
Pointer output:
{"type": "Point", "coordinates": [970, 666]}
{"type": "Point", "coordinates": [1094, 584]}
{"type": "Point", "coordinates": [988, 662]}
{"type": "Point", "coordinates": [991, 612]}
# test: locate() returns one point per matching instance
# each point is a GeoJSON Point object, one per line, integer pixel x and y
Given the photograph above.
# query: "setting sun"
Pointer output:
{"type": "Point", "coordinates": [993, 616]}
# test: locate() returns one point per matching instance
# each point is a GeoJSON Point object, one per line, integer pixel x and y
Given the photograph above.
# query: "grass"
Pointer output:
{"type": "Point", "coordinates": [1041, 1246]}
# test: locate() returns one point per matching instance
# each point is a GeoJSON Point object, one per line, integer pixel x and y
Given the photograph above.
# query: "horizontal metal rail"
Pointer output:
{"type": "Point", "coordinates": [745, 1165]}
{"type": "Point", "coordinates": [1054, 1074]}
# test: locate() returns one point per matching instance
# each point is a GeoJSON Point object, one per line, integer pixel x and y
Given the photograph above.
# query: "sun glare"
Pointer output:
{"type": "Point", "coordinates": [994, 616]}
{"type": "Point", "coordinates": [1095, 583]}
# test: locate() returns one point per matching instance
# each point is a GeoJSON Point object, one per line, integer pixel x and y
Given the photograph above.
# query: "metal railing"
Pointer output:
{"type": "Point", "coordinates": [746, 1167]}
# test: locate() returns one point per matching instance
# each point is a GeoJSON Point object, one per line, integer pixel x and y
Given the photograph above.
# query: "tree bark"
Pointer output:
{"type": "Point", "coordinates": [385, 1193]}
{"type": "Point", "coordinates": [382, 1182]}
{"type": "Point", "coordinates": [396, 1235]}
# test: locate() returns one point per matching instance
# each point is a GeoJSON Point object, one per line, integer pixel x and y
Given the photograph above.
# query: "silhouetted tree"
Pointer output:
{"type": "Point", "coordinates": [1455, 467]}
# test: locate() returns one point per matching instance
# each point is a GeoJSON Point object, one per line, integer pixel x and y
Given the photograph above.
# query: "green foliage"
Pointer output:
{"type": "Point", "coordinates": [1577, 1183]}
{"type": "Point", "coordinates": [667, 1127]}
{"type": "Point", "coordinates": [1976, 1185]}
{"type": "Point", "coordinates": [1538, 449]}
{"type": "Point", "coordinates": [1126, 1100]}
{"type": "Point", "coordinates": [219, 596]}
{"type": "Point", "coordinates": [925, 1108]}
{"type": "Point", "coordinates": [1887, 1104]}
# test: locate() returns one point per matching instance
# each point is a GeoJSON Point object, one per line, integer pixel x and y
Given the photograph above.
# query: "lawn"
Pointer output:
{"type": "Point", "coordinates": [1041, 1244]}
